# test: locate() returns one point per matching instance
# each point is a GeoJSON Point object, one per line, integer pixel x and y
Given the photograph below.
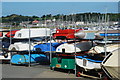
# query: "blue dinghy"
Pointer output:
{"type": "Point", "coordinates": [111, 34]}
{"type": "Point", "coordinates": [24, 58]}
{"type": "Point", "coordinates": [46, 47]}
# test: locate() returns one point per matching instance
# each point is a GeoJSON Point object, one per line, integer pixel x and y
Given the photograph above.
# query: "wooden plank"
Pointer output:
{"type": "Point", "coordinates": [89, 76]}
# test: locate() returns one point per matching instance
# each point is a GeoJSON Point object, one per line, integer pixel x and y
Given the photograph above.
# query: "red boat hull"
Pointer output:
{"type": "Point", "coordinates": [67, 33]}
{"type": "Point", "coordinates": [12, 33]}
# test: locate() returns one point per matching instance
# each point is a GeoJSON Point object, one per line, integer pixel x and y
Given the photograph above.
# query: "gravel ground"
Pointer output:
{"type": "Point", "coordinates": [35, 71]}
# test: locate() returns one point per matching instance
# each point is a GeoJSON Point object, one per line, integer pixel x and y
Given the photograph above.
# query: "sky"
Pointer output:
{"type": "Point", "coordinates": [54, 8]}
{"type": "Point", "coordinates": [60, 0]}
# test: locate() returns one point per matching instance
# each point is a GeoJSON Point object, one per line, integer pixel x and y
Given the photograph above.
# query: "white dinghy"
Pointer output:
{"type": "Point", "coordinates": [34, 32]}
{"type": "Point", "coordinates": [111, 64]}
{"type": "Point", "coordinates": [72, 47]}
{"type": "Point", "coordinates": [19, 46]}
{"type": "Point", "coordinates": [36, 36]}
{"type": "Point", "coordinates": [92, 60]}
{"type": "Point", "coordinates": [101, 48]}
{"type": "Point", "coordinates": [23, 44]}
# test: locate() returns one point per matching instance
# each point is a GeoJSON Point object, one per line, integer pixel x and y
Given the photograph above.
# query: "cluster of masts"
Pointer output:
{"type": "Point", "coordinates": [86, 22]}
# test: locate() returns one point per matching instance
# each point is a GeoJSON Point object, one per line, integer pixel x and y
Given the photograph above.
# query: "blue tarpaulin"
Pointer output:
{"type": "Point", "coordinates": [24, 58]}
{"type": "Point", "coordinates": [47, 47]}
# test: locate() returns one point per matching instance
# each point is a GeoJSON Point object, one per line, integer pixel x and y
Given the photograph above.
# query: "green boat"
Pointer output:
{"type": "Point", "coordinates": [63, 63]}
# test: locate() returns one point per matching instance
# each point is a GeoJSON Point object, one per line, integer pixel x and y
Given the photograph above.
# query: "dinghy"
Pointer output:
{"type": "Point", "coordinates": [101, 48]}
{"type": "Point", "coordinates": [65, 34]}
{"type": "Point", "coordinates": [111, 34]}
{"type": "Point", "coordinates": [89, 62]}
{"type": "Point", "coordinates": [97, 55]}
{"type": "Point", "coordinates": [24, 58]}
{"type": "Point", "coordinates": [111, 65]}
{"type": "Point", "coordinates": [93, 58]}
{"type": "Point", "coordinates": [46, 47]}
{"type": "Point", "coordinates": [83, 34]}
{"type": "Point", "coordinates": [11, 33]}
{"type": "Point", "coordinates": [23, 44]}
{"type": "Point", "coordinates": [20, 46]}
{"type": "Point", "coordinates": [89, 65]}
{"type": "Point", "coordinates": [34, 32]}
{"type": "Point", "coordinates": [74, 47]}
{"type": "Point", "coordinates": [93, 61]}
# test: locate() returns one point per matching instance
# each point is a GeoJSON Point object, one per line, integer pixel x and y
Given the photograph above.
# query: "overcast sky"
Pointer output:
{"type": "Point", "coordinates": [60, 0]}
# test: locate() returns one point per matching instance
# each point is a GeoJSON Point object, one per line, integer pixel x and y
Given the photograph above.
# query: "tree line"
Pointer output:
{"type": "Point", "coordinates": [85, 17]}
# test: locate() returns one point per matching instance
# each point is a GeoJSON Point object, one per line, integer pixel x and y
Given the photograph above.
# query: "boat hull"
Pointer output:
{"type": "Point", "coordinates": [24, 58]}
{"type": "Point", "coordinates": [34, 32]}
{"type": "Point", "coordinates": [19, 46]}
{"type": "Point", "coordinates": [101, 49]}
{"type": "Point", "coordinates": [46, 47]}
{"type": "Point", "coordinates": [111, 34]}
{"type": "Point", "coordinates": [65, 34]}
{"type": "Point", "coordinates": [74, 47]}
{"type": "Point", "coordinates": [87, 63]}
{"type": "Point", "coordinates": [111, 64]}
{"type": "Point", "coordinates": [63, 63]}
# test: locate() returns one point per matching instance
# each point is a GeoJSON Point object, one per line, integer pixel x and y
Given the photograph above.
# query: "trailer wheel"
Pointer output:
{"type": "Point", "coordinates": [105, 78]}
{"type": "Point", "coordinates": [78, 74]}
{"type": "Point", "coordinates": [52, 68]}
{"type": "Point", "coordinates": [78, 71]}
{"type": "Point", "coordinates": [6, 55]}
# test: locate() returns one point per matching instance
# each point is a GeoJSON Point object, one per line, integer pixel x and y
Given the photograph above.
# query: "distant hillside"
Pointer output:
{"type": "Point", "coordinates": [86, 17]}
{"type": "Point", "coordinates": [17, 18]}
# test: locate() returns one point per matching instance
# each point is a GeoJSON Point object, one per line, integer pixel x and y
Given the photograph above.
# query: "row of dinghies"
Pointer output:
{"type": "Point", "coordinates": [75, 51]}
{"type": "Point", "coordinates": [87, 60]}
{"type": "Point", "coordinates": [66, 33]}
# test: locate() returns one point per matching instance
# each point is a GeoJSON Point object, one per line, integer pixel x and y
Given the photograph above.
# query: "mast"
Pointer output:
{"type": "Point", "coordinates": [105, 46]}
{"type": "Point", "coordinates": [29, 45]}
{"type": "Point", "coordinates": [75, 53]}
{"type": "Point", "coordinates": [50, 44]}
{"type": "Point", "coordinates": [73, 20]}
{"type": "Point", "coordinates": [45, 30]}
{"type": "Point", "coordinates": [10, 42]}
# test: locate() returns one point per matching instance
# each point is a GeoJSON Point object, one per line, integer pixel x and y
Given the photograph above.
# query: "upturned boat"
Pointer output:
{"type": "Point", "coordinates": [11, 33]}
{"type": "Point", "coordinates": [65, 34]}
{"type": "Point", "coordinates": [91, 61]}
{"type": "Point", "coordinates": [110, 34]}
{"type": "Point", "coordinates": [46, 47]}
{"type": "Point", "coordinates": [111, 65]}
{"type": "Point", "coordinates": [32, 32]}
{"type": "Point", "coordinates": [24, 59]}
{"type": "Point", "coordinates": [74, 47]}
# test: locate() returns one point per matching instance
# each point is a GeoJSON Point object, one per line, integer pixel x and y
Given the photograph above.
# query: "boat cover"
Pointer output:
{"type": "Point", "coordinates": [46, 47]}
{"type": "Point", "coordinates": [24, 59]}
